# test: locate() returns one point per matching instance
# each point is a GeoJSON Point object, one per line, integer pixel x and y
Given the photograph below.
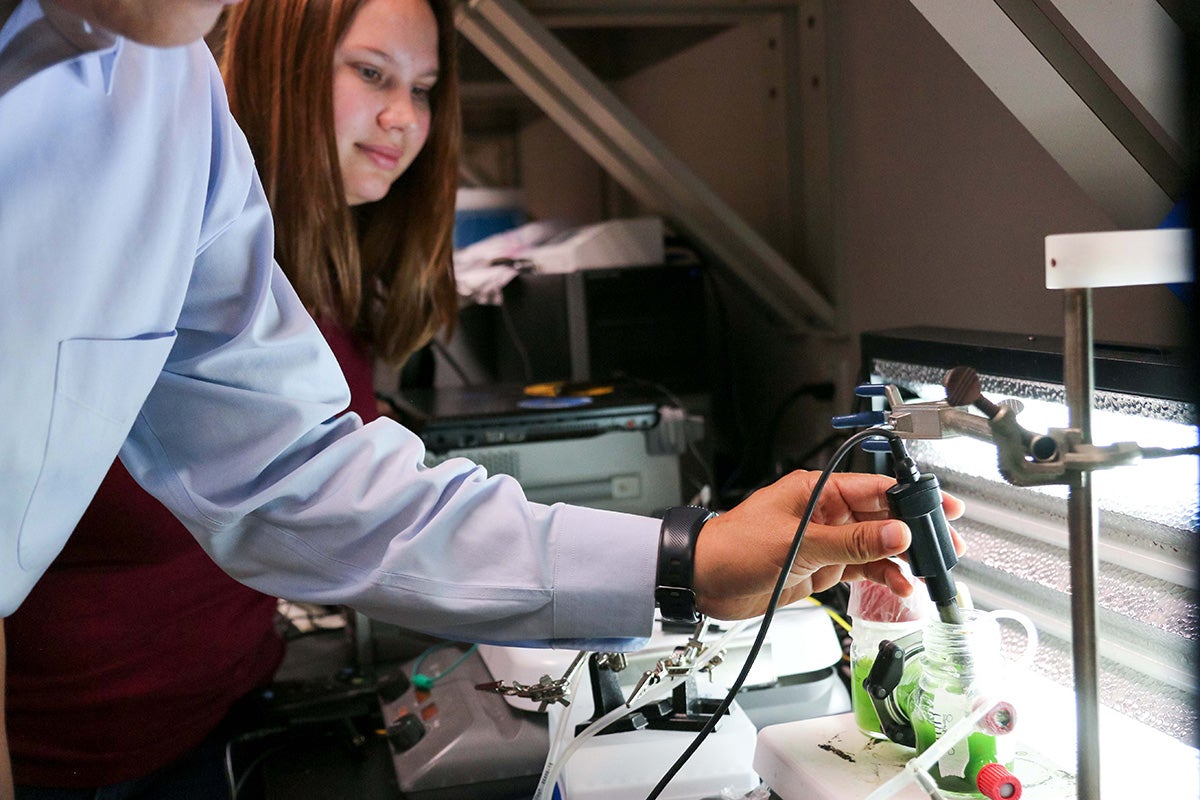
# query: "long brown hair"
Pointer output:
{"type": "Point", "coordinates": [382, 270]}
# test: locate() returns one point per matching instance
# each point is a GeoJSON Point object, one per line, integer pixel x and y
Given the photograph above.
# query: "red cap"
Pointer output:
{"type": "Point", "coordinates": [995, 782]}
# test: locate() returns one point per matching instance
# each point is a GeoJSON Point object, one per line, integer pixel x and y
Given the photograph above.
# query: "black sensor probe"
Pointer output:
{"type": "Point", "coordinates": [916, 500]}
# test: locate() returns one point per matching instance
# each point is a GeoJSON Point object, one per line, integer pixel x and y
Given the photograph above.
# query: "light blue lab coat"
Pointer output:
{"type": "Point", "coordinates": [141, 311]}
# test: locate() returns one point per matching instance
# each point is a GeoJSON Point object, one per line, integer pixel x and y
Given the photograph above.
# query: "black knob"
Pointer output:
{"type": "Point", "coordinates": [405, 731]}
{"type": "Point", "coordinates": [391, 685]}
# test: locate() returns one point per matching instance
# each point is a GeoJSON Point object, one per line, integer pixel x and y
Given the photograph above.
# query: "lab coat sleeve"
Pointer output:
{"type": "Point", "coordinates": [241, 438]}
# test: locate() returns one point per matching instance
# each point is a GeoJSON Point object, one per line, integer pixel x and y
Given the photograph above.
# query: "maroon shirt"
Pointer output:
{"type": "Point", "coordinates": [134, 645]}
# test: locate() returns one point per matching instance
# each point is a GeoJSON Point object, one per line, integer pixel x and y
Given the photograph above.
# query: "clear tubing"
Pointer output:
{"type": "Point", "coordinates": [553, 769]}
{"type": "Point", "coordinates": [557, 742]}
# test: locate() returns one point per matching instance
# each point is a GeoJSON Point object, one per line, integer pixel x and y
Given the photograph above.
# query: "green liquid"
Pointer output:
{"type": "Point", "coordinates": [982, 751]}
{"type": "Point", "coordinates": [864, 712]}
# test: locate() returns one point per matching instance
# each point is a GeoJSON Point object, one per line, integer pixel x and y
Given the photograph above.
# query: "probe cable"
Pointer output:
{"type": "Point", "coordinates": [846, 447]}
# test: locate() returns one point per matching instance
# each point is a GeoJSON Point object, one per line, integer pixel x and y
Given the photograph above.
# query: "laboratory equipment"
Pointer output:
{"type": "Point", "coordinates": [879, 616]}
{"type": "Point", "coordinates": [1014, 477]}
{"type": "Point", "coordinates": [453, 742]}
{"type": "Point", "coordinates": [960, 669]}
{"type": "Point", "coordinates": [617, 750]}
{"type": "Point", "coordinates": [917, 500]}
{"type": "Point", "coordinates": [953, 672]}
{"type": "Point", "coordinates": [1155, 542]}
{"type": "Point", "coordinates": [618, 451]}
{"type": "Point", "coordinates": [794, 677]}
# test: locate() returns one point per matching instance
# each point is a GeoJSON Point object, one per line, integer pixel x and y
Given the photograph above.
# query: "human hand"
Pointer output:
{"type": "Point", "coordinates": [740, 553]}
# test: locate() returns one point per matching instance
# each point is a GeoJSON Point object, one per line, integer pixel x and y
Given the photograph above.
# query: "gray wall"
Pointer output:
{"type": "Point", "coordinates": [941, 199]}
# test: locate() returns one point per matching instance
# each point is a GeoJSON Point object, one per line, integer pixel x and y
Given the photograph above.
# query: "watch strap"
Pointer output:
{"type": "Point", "coordinates": [675, 590]}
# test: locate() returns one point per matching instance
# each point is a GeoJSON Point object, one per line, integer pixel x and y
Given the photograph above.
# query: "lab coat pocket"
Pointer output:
{"type": "Point", "coordinates": [99, 388]}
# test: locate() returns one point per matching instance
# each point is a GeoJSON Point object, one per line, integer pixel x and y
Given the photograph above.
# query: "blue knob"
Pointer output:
{"type": "Point", "coordinates": [863, 419]}
{"type": "Point", "coordinates": [871, 390]}
{"type": "Point", "coordinates": [877, 444]}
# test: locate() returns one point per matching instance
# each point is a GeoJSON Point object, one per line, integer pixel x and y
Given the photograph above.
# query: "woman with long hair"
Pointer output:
{"type": "Point", "coordinates": [357, 147]}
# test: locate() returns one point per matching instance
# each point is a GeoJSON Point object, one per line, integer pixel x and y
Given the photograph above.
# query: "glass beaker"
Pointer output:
{"type": "Point", "coordinates": [866, 636]}
{"type": "Point", "coordinates": [878, 614]}
{"type": "Point", "coordinates": [961, 666]}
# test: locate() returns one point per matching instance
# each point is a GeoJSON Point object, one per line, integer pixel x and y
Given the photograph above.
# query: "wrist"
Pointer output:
{"type": "Point", "coordinates": [675, 589]}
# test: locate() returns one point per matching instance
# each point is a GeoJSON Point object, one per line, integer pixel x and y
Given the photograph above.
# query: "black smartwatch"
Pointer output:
{"type": "Point", "coordinates": [675, 590]}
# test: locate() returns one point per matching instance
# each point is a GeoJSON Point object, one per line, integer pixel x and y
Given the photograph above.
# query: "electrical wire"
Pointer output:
{"type": "Point", "coordinates": [236, 789]}
{"type": "Point", "coordinates": [809, 510]}
{"type": "Point", "coordinates": [833, 615]}
{"type": "Point", "coordinates": [652, 695]}
{"type": "Point", "coordinates": [427, 681]}
{"type": "Point", "coordinates": [518, 345]}
{"type": "Point", "coordinates": [234, 784]}
{"type": "Point", "coordinates": [449, 358]}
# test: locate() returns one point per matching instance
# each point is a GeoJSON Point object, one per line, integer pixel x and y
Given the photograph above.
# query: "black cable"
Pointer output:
{"type": "Point", "coordinates": [444, 352]}
{"type": "Point", "coordinates": [522, 353]}
{"type": "Point", "coordinates": [846, 447]}
{"type": "Point", "coordinates": [801, 461]}
{"type": "Point", "coordinates": [834, 438]}
{"type": "Point", "coordinates": [755, 462]}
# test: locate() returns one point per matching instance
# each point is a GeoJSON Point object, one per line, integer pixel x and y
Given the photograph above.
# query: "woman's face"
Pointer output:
{"type": "Point", "coordinates": [384, 70]}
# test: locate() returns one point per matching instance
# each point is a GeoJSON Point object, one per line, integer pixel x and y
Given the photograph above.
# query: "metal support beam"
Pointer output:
{"type": "Point", "coordinates": [587, 111]}
{"type": "Point", "coordinates": [1098, 86]}
{"type": "Point", "coordinates": [1041, 69]}
{"type": "Point", "coordinates": [1084, 532]}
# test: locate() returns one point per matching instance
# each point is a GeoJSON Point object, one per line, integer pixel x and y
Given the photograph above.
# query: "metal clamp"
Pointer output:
{"type": "Point", "coordinates": [682, 661]}
{"type": "Point", "coordinates": [546, 691]}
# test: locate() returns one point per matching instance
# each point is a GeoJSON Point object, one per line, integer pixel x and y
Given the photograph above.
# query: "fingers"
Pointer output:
{"type": "Point", "coordinates": [888, 573]}
{"type": "Point", "coordinates": [860, 543]}
{"type": "Point", "coordinates": [952, 506]}
{"type": "Point", "coordinates": [851, 496]}
{"type": "Point", "coordinates": [850, 537]}
{"type": "Point", "coordinates": [846, 496]}
{"type": "Point", "coordinates": [960, 546]}
{"type": "Point", "coordinates": [862, 493]}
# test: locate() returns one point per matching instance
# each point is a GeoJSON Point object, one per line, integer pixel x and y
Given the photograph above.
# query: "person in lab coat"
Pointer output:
{"type": "Point", "coordinates": [143, 313]}
{"type": "Point", "coordinates": [153, 714]}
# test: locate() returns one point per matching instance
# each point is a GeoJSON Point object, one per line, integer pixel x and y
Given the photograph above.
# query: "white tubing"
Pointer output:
{"type": "Point", "coordinates": [652, 695]}
{"type": "Point", "coordinates": [556, 763]}
{"type": "Point", "coordinates": [557, 742]}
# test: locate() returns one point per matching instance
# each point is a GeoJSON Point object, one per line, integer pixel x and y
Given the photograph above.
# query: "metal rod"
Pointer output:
{"type": "Point", "coordinates": [1082, 522]}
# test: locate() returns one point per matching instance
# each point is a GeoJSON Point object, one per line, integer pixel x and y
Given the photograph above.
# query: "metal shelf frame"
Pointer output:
{"type": "Point", "coordinates": [514, 37]}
